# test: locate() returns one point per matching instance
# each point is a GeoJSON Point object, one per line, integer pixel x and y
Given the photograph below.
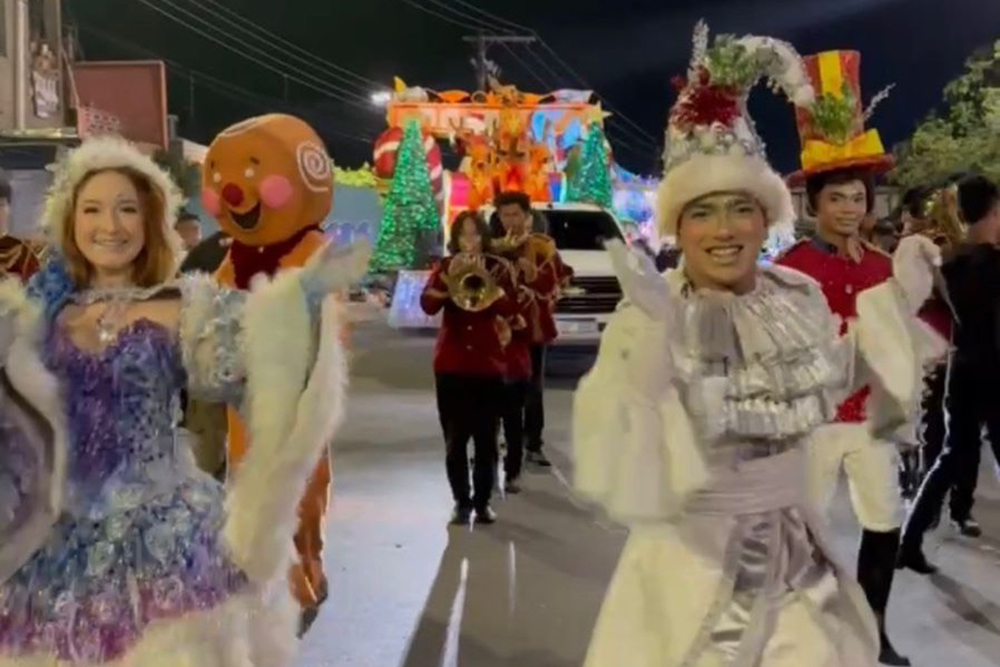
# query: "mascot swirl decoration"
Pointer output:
{"type": "Point", "coordinates": [314, 167]}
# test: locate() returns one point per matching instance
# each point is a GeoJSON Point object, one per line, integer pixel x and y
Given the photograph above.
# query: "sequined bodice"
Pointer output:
{"type": "Point", "coordinates": [123, 406]}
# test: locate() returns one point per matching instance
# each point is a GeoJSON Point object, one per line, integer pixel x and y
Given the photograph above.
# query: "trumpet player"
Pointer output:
{"type": "Point", "coordinates": [539, 274]}
{"type": "Point", "coordinates": [474, 290]}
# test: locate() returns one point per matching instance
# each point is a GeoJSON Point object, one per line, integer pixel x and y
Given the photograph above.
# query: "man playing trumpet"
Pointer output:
{"type": "Point", "coordinates": [540, 273]}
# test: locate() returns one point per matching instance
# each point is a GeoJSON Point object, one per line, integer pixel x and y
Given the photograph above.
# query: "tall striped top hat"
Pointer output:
{"type": "Point", "coordinates": [832, 128]}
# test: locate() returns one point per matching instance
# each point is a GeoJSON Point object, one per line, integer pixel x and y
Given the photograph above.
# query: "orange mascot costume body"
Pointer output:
{"type": "Point", "coordinates": [269, 183]}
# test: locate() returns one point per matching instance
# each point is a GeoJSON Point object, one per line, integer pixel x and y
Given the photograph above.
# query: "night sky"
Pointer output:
{"type": "Point", "coordinates": [627, 55]}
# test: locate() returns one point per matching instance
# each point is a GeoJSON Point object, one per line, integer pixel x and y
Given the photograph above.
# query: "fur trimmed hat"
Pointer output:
{"type": "Point", "coordinates": [711, 143]}
{"type": "Point", "coordinates": [100, 154]}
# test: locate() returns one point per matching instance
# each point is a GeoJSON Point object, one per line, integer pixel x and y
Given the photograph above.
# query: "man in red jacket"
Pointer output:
{"type": "Point", "coordinates": [17, 257]}
{"type": "Point", "coordinates": [541, 274]}
{"type": "Point", "coordinates": [839, 165]}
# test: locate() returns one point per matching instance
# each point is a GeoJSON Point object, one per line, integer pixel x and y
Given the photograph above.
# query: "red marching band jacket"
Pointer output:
{"type": "Point", "coordinates": [937, 314]}
{"type": "Point", "coordinates": [539, 292]}
{"type": "Point", "coordinates": [469, 343]}
{"type": "Point", "coordinates": [841, 280]}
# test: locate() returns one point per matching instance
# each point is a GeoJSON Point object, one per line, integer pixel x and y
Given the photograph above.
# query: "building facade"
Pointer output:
{"type": "Point", "coordinates": [32, 82]}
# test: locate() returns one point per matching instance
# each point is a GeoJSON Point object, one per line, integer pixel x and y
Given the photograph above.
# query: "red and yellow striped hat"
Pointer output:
{"type": "Point", "coordinates": [832, 127]}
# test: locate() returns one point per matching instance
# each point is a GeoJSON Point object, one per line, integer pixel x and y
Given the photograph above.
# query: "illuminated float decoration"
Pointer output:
{"type": "Point", "coordinates": [508, 139]}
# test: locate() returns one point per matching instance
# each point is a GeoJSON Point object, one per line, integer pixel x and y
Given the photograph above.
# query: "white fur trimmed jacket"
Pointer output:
{"type": "Point", "coordinates": [291, 380]}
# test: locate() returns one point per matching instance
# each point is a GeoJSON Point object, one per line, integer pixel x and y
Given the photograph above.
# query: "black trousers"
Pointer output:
{"type": "Point", "coordinates": [934, 430]}
{"type": "Point", "coordinates": [971, 404]}
{"type": "Point", "coordinates": [534, 406]}
{"type": "Point", "coordinates": [468, 408]}
{"type": "Point", "coordinates": [512, 418]}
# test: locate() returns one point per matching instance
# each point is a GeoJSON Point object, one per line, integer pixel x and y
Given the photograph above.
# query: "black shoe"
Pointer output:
{"type": "Point", "coordinates": [968, 527]}
{"type": "Point", "coordinates": [460, 515]}
{"type": "Point", "coordinates": [538, 459]}
{"type": "Point", "coordinates": [306, 620]}
{"type": "Point", "coordinates": [915, 560]}
{"type": "Point", "coordinates": [512, 486]}
{"type": "Point", "coordinates": [486, 515]}
{"type": "Point", "coordinates": [322, 593]}
{"type": "Point", "coordinates": [887, 654]}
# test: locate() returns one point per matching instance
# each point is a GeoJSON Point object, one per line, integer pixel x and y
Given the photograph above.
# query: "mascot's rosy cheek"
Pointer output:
{"type": "Point", "coordinates": [211, 202]}
{"type": "Point", "coordinates": [276, 191]}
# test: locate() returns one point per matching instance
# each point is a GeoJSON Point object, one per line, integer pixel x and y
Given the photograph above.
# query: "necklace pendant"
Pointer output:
{"type": "Point", "coordinates": [105, 335]}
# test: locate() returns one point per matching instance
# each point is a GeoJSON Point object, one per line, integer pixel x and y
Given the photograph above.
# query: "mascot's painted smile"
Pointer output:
{"type": "Point", "coordinates": [247, 220]}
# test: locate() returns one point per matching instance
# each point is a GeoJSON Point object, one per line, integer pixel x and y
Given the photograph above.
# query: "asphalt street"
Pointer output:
{"type": "Point", "coordinates": [408, 591]}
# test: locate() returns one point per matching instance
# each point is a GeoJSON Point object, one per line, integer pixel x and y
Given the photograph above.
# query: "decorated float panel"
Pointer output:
{"type": "Point", "coordinates": [508, 140]}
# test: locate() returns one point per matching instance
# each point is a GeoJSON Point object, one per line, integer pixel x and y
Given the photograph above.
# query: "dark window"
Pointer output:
{"type": "Point", "coordinates": [37, 28]}
{"type": "Point", "coordinates": [581, 230]}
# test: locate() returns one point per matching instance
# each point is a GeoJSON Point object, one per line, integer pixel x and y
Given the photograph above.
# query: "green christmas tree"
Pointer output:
{"type": "Point", "coordinates": [410, 232]}
{"type": "Point", "coordinates": [592, 182]}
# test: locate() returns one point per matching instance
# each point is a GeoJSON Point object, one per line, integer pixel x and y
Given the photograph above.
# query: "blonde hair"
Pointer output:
{"type": "Point", "coordinates": [155, 263]}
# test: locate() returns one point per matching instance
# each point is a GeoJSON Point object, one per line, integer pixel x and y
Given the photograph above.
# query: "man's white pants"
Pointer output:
{"type": "Point", "coordinates": [871, 466]}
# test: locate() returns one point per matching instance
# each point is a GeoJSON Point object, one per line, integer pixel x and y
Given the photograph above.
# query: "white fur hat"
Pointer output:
{"type": "Point", "coordinates": [99, 154]}
{"type": "Point", "coordinates": [711, 143]}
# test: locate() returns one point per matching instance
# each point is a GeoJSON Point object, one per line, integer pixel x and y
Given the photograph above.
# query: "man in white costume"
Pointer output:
{"type": "Point", "coordinates": [709, 379]}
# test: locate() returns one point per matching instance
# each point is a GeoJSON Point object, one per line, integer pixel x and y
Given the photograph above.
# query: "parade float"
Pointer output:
{"type": "Point", "coordinates": [551, 146]}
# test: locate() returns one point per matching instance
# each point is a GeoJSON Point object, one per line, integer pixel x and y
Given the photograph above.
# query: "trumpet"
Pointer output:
{"type": "Point", "coordinates": [471, 285]}
{"type": "Point", "coordinates": [944, 224]}
{"type": "Point", "coordinates": [537, 248]}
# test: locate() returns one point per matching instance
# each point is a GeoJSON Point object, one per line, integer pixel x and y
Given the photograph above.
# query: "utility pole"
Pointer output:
{"type": "Point", "coordinates": [483, 42]}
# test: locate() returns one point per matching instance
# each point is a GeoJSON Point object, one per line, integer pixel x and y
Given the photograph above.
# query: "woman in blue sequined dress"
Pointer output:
{"type": "Point", "coordinates": [114, 548]}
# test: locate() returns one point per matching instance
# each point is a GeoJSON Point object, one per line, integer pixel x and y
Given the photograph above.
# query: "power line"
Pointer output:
{"type": "Point", "coordinates": [528, 68]}
{"type": "Point", "coordinates": [443, 17]}
{"type": "Point", "coordinates": [323, 87]}
{"type": "Point", "coordinates": [279, 58]}
{"type": "Point", "coordinates": [226, 88]}
{"type": "Point", "coordinates": [541, 61]}
{"type": "Point", "coordinates": [572, 71]}
{"type": "Point", "coordinates": [513, 27]}
{"type": "Point", "coordinates": [348, 74]}
{"type": "Point", "coordinates": [468, 20]}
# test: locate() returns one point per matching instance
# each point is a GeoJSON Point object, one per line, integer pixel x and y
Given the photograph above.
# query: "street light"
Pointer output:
{"type": "Point", "coordinates": [381, 98]}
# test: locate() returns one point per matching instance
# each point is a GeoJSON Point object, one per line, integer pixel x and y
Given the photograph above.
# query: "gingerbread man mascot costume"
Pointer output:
{"type": "Point", "coordinates": [269, 183]}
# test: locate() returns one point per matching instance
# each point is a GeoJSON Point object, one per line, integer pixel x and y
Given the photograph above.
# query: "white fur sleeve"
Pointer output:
{"type": "Point", "coordinates": [211, 337]}
{"type": "Point", "coordinates": [636, 452]}
{"type": "Point", "coordinates": [894, 347]}
{"type": "Point", "coordinates": [33, 435]}
{"type": "Point", "coordinates": [295, 393]}
{"type": "Point", "coordinates": [12, 299]}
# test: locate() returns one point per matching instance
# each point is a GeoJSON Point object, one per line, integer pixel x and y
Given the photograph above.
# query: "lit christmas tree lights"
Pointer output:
{"type": "Point", "coordinates": [592, 181]}
{"type": "Point", "coordinates": [410, 232]}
